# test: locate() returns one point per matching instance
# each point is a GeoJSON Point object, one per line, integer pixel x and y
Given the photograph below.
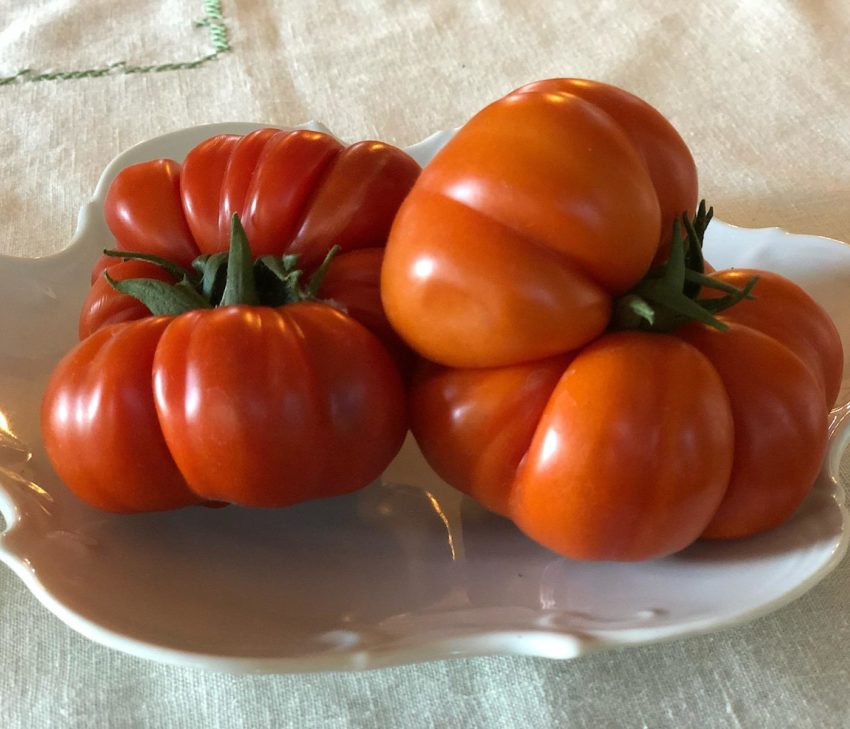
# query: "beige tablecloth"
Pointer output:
{"type": "Point", "coordinates": [758, 89]}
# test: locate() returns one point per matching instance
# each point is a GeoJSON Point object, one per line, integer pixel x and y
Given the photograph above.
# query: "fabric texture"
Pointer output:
{"type": "Point", "coordinates": [758, 90]}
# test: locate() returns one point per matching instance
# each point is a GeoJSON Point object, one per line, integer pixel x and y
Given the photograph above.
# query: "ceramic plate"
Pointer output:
{"type": "Point", "coordinates": [405, 570]}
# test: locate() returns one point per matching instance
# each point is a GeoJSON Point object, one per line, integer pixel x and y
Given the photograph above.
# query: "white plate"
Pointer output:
{"type": "Point", "coordinates": [405, 570]}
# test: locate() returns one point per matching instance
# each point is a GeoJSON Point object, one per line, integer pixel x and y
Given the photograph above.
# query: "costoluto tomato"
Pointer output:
{"type": "Point", "coordinates": [543, 208]}
{"type": "Point", "coordinates": [258, 405]}
{"type": "Point", "coordinates": [297, 192]}
{"type": "Point", "coordinates": [652, 435]}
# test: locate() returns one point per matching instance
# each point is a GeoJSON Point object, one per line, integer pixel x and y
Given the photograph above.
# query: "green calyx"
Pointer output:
{"type": "Point", "coordinates": [668, 296]}
{"type": "Point", "coordinates": [223, 279]}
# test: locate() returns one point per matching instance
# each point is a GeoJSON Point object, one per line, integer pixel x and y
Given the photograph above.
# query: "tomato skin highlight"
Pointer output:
{"type": "Point", "coordinates": [100, 426]}
{"type": "Point", "coordinates": [542, 208]}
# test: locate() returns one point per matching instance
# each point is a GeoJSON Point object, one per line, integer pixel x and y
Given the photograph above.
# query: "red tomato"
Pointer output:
{"type": "Point", "coordinates": [517, 235]}
{"type": "Point", "coordinates": [353, 284]}
{"type": "Point", "coordinates": [100, 425]}
{"type": "Point", "coordinates": [104, 305]}
{"type": "Point", "coordinates": [278, 399]}
{"type": "Point", "coordinates": [296, 192]}
{"type": "Point", "coordinates": [249, 405]}
{"type": "Point", "coordinates": [144, 214]}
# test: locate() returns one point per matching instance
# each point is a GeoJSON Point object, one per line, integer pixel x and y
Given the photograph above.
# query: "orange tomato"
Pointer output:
{"type": "Point", "coordinates": [543, 207]}
{"type": "Point", "coordinates": [787, 313]}
{"type": "Point", "coordinates": [665, 154]}
{"type": "Point", "coordinates": [521, 248]}
{"type": "Point", "coordinates": [780, 426]}
{"type": "Point", "coordinates": [593, 467]}
{"type": "Point", "coordinates": [640, 443]}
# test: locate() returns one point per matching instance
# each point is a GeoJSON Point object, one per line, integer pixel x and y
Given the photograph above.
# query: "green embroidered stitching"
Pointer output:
{"type": "Point", "coordinates": [213, 19]}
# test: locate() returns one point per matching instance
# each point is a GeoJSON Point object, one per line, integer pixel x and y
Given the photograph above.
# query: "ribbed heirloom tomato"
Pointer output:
{"type": "Point", "coordinates": [518, 235]}
{"type": "Point", "coordinates": [641, 442]}
{"type": "Point", "coordinates": [215, 373]}
{"type": "Point", "coordinates": [258, 405]}
{"type": "Point", "coordinates": [588, 379]}
{"type": "Point", "coordinates": [297, 193]}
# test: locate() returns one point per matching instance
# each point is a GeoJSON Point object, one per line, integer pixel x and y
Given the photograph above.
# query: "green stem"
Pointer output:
{"type": "Point", "coordinates": [240, 287]}
{"type": "Point", "coordinates": [666, 297]}
{"type": "Point", "coordinates": [161, 298]}
{"type": "Point", "coordinates": [224, 279]}
{"type": "Point", "coordinates": [315, 282]}
{"type": "Point", "coordinates": [178, 272]}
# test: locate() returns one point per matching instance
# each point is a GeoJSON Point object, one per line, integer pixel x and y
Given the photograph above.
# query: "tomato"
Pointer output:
{"type": "Point", "coordinates": [517, 236]}
{"type": "Point", "coordinates": [589, 469]}
{"type": "Point", "coordinates": [642, 442]}
{"type": "Point", "coordinates": [583, 381]}
{"type": "Point", "coordinates": [585, 465]}
{"type": "Point", "coordinates": [787, 313]}
{"type": "Point", "coordinates": [259, 394]}
{"type": "Point", "coordinates": [353, 284]}
{"type": "Point", "coordinates": [474, 425]}
{"type": "Point", "coordinates": [665, 154]}
{"type": "Point", "coordinates": [143, 212]}
{"type": "Point", "coordinates": [104, 305]}
{"type": "Point", "coordinates": [249, 405]}
{"type": "Point", "coordinates": [780, 425]}
{"type": "Point", "coordinates": [291, 392]}
{"type": "Point", "coordinates": [100, 427]}
{"type": "Point", "coordinates": [296, 192]}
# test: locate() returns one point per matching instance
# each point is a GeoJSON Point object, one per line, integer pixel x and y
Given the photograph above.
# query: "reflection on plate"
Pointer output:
{"type": "Point", "coordinates": [405, 570]}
